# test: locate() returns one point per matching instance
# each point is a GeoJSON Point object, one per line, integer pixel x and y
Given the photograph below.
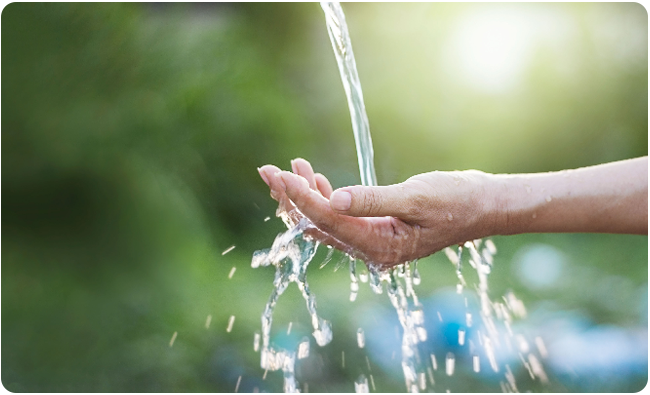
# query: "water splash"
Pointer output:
{"type": "Point", "coordinates": [290, 254]}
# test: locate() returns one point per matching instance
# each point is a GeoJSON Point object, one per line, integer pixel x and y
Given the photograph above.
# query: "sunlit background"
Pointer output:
{"type": "Point", "coordinates": [130, 140]}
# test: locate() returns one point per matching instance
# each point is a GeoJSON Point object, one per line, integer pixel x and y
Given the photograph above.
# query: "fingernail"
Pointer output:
{"type": "Point", "coordinates": [263, 175]}
{"type": "Point", "coordinates": [278, 175]}
{"type": "Point", "coordinates": [341, 200]}
{"type": "Point", "coordinates": [293, 166]}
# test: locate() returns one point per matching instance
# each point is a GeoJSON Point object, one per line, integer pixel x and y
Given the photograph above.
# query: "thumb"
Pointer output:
{"type": "Point", "coordinates": [362, 201]}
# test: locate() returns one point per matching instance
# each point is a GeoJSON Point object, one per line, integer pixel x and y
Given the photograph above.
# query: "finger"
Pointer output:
{"type": "Point", "coordinates": [317, 209]}
{"type": "Point", "coordinates": [393, 200]}
{"type": "Point", "coordinates": [268, 173]}
{"type": "Point", "coordinates": [304, 169]}
{"type": "Point", "coordinates": [323, 185]}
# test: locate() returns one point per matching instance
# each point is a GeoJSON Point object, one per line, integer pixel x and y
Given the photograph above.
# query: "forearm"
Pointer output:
{"type": "Point", "coordinates": [608, 198]}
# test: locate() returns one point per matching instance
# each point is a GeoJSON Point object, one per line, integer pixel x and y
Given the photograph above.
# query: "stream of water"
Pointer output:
{"type": "Point", "coordinates": [292, 251]}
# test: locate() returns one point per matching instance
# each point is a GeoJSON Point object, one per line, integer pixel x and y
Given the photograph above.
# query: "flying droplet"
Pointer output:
{"type": "Point", "coordinates": [461, 337]}
{"type": "Point", "coordinates": [361, 338]}
{"type": "Point", "coordinates": [450, 363]}
{"type": "Point", "coordinates": [476, 363]}
{"type": "Point", "coordinates": [541, 347]}
{"type": "Point", "coordinates": [434, 362]}
{"type": "Point", "coordinates": [231, 322]}
{"type": "Point", "coordinates": [450, 217]}
{"type": "Point", "coordinates": [232, 272]}
{"type": "Point", "coordinates": [256, 341]}
{"type": "Point", "coordinates": [303, 348]}
{"type": "Point", "coordinates": [361, 384]}
{"type": "Point", "coordinates": [171, 342]}
{"type": "Point", "coordinates": [207, 321]}
{"type": "Point", "coordinates": [422, 379]}
{"type": "Point", "coordinates": [228, 250]}
{"type": "Point", "coordinates": [549, 198]}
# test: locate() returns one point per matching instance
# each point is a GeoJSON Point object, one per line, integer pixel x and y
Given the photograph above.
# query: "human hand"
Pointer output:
{"type": "Point", "coordinates": [386, 225]}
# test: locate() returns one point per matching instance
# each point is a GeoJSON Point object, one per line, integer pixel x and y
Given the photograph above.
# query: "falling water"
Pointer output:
{"type": "Point", "coordinates": [410, 315]}
{"type": "Point", "coordinates": [340, 38]}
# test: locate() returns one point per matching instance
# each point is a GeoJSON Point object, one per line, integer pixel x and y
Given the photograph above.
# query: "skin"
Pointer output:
{"type": "Point", "coordinates": [388, 225]}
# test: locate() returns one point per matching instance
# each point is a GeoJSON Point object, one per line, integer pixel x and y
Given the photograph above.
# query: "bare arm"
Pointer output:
{"type": "Point", "coordinates": [607, 198]}
{"type": "Point", "coordinates": [388, 225]}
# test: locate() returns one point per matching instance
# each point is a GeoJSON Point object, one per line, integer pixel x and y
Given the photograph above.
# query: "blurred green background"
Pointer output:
{"type": "Point", "coordinates": [131, 135]}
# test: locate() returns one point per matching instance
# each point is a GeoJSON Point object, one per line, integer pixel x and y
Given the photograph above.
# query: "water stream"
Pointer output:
{"type": "Point", "coordinates": [292, 251]}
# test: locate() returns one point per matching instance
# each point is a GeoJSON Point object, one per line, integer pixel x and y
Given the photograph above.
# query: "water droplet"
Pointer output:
{"type": "Point", "coordinates": [468, 319]}
{"type": "Point", "coordinates": [303, 348]}
{"type": "Point", "coordinates": [461, 337]}
{"type": "Point", "coordinates": [207, 321]}
{"type": "Point", "coordinates": [343, 359]}
{"type": "Point", "coordinates": [267, 219]}
{"type": "Point", "coordinates": [372, 382]}
{"type": "Point", "coordinates": [490, 246]}
{"type": "Point", "coordinates": [450, 217]}
{"type": "Point", "coordinates": [422, 379]}
{"type": "Point", "coordinates": [541, 347]}
{"type": "Point", "coordinates": [522, 344]}
{"type": "Point", "coordinates": [549, 198]}
{"type": "Point", "coordinates": [416, 277]}
{"type": "Point", "coordinates": [434, 362]}
{"type": "Point", "coordinates": [256, 341]}
{"type": "Point", "coordinates": [171, 342]}
{"type": "Point", "coordinates": [353, 296]}
{"type": "Point", "coordinates": [231, 322]}
{"type": "Point", "coordinates": [232, 272]}
{"type": "Point", "coordinates": [361, 384]}
{"type": "Point", "coordinates": [422, 333]}
{"type": "Point", "coordinates": [511, 379]}
{"type": "Point", "coordinates": [476, 363]}
{"type": "Point", "coordinates": [237, 386]}
{"type": "Point", "coordinates": [451, 255]}
{"type": "Point", "coordinates": [328, 257]}
{"type": "Point", "coordinates": [459, 288]}
{"type": "Point", "coordinates": [289, 328]}
{"type": "Point", "coordinates": [439, 316]}
{"type": "Point", "coordinates": [537, 368]}
{"type": "Point", "coordinates": [450, 363]}
{"type": "Point", "coordinates": [361, 339]}
{"type": "Point", "coordinates": [228, 250]}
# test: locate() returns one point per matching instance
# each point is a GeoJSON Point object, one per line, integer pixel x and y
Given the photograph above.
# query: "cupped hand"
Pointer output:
{"type": "Point", "coordinates": [386, 225]}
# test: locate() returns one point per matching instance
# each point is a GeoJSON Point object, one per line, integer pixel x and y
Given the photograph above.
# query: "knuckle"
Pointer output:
{"type": "Point", "coordinates": [371, 202]}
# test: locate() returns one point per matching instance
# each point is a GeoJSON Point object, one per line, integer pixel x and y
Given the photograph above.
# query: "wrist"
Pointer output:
{"type": "Point", "coordinates": [496, 215]}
